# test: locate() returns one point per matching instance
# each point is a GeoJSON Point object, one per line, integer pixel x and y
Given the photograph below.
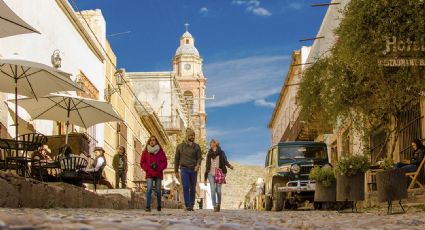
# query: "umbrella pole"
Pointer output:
{"type": "Point", "coordinates": [67, 121]}
{"type": "Point", "coordinates": [66, 136]}
{"type": "Point", "coordinates": [16, 109]}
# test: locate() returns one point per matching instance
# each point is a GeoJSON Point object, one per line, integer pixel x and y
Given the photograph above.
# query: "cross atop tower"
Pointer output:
{"type": "Point", "coordinates": [187, 26]}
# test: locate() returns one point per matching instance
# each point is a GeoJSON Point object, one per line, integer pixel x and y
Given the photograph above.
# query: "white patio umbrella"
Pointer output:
{"type": "Point", "coordinates": [32, 79]}
{"type": "Point", "coordinates": [78, 111]}
{"type": "Point", "coordinates": [11, 24]}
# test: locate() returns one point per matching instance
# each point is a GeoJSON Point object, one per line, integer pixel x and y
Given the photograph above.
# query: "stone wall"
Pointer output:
{"type": "Point", "coordinates": [18, 192]}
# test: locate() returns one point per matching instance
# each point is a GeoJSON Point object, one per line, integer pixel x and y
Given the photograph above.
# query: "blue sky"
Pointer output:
{"type": "Point", "coordinates": [246, 46]}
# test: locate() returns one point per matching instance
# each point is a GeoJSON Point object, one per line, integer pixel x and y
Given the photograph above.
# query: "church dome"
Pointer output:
{"type": "Point", "coordinates": [187, 35]}
{"type": "Point", "coordinates": [187, 45]}
{"type": "Point", "coordinates": [187, 49]}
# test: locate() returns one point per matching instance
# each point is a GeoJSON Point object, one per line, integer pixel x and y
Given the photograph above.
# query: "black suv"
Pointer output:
{"type": "Point", "coordinates": [288, 165]}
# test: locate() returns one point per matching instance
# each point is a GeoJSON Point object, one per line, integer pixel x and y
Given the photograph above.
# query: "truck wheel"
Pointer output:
{"type": "Point", "coordinates": [277, 198]}
{"type": "Point", "coordinates": [317, 205]}
{"type": "Point", "coordinates": [267, 203]}
{"type": "Point", "coordinates": [286, 204]}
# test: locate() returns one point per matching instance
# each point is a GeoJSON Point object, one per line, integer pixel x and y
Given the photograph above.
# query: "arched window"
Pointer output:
{"type": "Point", "coordinates": [187, 41]}
{"type": "Point", "coordinates": [188, 96]}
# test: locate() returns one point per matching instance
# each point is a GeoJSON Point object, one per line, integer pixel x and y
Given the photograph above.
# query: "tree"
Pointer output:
{"type": "Point", "coordinates": [351, 85]}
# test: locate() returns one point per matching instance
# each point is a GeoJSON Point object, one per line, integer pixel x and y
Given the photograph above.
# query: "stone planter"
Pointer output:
{"type": "Point", "coordinates": [350, 188]}
{"type": "Point", "coordinates": [325, 194]}
{"type": "Point", "coordinates": [391, 185]}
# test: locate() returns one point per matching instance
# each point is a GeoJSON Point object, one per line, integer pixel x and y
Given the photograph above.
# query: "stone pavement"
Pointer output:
{"type": "Point", "coordinates": [205, 219]}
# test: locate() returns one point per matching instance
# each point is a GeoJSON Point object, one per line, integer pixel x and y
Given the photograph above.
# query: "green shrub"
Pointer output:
{"type": "Point", "coordinates": [324, 175]}
{"type": "Point", "coordinates": [352, 165]}
{"type": "Point", "coordinates": [386, 163]}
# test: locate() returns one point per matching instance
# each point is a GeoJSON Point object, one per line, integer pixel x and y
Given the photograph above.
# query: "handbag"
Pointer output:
{"type": "Point", "coordinates": [219, 177]}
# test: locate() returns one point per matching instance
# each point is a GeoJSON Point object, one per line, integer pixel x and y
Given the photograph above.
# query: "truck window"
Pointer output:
{"type": "Point", "coordinates": [274, 156]}
{"type": "Point", "coordinates": [267, 159]}
{"type": "Point", "coordinates": [288, 154]}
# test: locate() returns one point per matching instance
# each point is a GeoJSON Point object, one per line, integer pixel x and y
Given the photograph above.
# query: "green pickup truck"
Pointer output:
{"type": "Point", "coordinates": [287, 167]}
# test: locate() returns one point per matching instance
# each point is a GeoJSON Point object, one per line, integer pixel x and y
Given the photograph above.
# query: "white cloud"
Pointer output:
{"type": "Point", "coordinates": [253, 6]}
{"type": "Point", "coordinates": [256, 158]}
{"type": "Point", "coordinates": [295, 5]}
{"type": "Point", "coordinates": [203, 11]}
{"type": "Point", "coordinates": [213, 132]}
{"type": "Point", "coordinates": [264, 103]}
{"type": "Point", "coordinates": [245, 80]}
{"type": "Point", "coordinates": [261, 12]}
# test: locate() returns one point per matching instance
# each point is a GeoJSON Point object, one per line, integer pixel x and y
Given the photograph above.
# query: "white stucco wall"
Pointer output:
{"type": "Point", "coordinates": [154, 88]}
{"type": "Point", "coordinates": [57, 32]}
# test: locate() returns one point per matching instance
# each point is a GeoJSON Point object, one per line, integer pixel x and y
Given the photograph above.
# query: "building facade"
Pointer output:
{"type": "Point", "coordinates": [285, 124]}
{"type": "Point", "coordinates": [81, 56]}
{"type": "Point", "coordinates": [80, 40]}
{"type": "Point", "coordinates": [177, 96]}
{"type": "Point", "coordinates": [187, 65]}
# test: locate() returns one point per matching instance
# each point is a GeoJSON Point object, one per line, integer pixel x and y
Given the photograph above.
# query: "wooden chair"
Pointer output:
{"type": "Point", "coordinates": [32, 141]}
{"type": "Point", "coordinates": [414, 176]}
{"type": "Point", "coordinates": [70, 167]}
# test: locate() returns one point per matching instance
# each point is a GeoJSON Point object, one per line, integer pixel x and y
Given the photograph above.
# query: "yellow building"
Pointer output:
{"type": "Point", "coordinates": [139, 122]}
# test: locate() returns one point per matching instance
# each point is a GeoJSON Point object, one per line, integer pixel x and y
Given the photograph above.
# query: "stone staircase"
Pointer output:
{"type": "Point", "coordinates": [239, 182]}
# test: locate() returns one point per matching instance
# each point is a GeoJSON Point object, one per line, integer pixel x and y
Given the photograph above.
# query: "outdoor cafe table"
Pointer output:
{"type": "Point", "coordinates": [13, 149]}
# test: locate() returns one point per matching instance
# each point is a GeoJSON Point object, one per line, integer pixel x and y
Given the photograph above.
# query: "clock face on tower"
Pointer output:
{"type": "Point", "coordinates": [187, 66]}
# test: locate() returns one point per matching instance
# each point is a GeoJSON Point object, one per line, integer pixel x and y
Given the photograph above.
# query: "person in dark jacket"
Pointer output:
{"type": "Point", "coordinates": [119, 163]}
{"type": "Point", "coordinates": [216, 158]}
{"type": "Point", "coordinates": [418, 154]}
{"type": "Point", "coordinates": [153, 162]}
{"type": "Point", "coordinates": [188, 158]}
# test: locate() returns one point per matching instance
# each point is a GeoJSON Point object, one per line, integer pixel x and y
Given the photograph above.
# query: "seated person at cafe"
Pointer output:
{"type": "Point", "coordinates": [99, 160]}
{"type": "Point", "coordinates": [418, 154]}
{"type": "Point", "coordinates": [65, 151]}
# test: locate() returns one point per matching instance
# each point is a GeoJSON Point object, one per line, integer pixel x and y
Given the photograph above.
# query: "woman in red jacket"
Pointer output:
{"type": "Point", "coordinates": [153, 162]}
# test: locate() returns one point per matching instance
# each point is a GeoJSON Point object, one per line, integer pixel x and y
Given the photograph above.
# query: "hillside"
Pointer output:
{"type": "Point", "coordinates": [239, 182]}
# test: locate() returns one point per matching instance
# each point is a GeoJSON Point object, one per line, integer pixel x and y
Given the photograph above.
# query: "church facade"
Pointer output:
{"type": "Point", "coordinates": [176, 96]}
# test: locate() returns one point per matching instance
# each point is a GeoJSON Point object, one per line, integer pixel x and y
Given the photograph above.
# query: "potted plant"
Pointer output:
{"type": "Point", "coordinates": [350, 178]}
{"type": "Point", "coordinates": [391, 183]}
{"type": "Point", "coordinates": [325, 183]}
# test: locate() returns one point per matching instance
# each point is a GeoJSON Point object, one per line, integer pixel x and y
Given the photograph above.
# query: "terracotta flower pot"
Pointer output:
{"type": "Point", "coordinates": [391, 185]}
{"type": "Point", "coordinates": [325, 193]}
{"type": "Point", "coordinates": [350, 188]}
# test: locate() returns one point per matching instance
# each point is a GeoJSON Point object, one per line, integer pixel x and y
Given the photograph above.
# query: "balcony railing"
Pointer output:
{"type": "Point", "coordinates": [172, 123]}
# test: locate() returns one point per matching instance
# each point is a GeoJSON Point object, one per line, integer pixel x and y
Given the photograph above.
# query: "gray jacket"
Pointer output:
{"type": "Point", "coordinates": [187, 156]}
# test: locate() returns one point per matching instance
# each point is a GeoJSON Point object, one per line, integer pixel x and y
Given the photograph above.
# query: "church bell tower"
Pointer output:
{"type": "Point", "coordinates": [187, 66]}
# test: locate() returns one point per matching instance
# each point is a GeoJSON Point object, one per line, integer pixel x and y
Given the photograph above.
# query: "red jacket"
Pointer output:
{"type": "Point", "coordinates": [146, 163]}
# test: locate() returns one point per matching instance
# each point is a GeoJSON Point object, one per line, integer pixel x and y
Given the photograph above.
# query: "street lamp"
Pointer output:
{"type": "Point", "coordinates": [80, 82]}
{"type": "Point", "coordinates": [119, 81]}
{"type": "Point", "coordinates": [56, 59]}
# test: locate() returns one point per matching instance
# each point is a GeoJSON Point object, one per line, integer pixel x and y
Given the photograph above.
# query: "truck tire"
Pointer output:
{"type": "Point", "coordinates": [267, 203]}
{"type": "Point", "coordinates": [277, 198]}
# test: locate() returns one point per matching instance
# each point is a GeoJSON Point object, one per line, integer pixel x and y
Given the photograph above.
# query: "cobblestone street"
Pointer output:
{"type": "Point", "coordinates": [205, 219]}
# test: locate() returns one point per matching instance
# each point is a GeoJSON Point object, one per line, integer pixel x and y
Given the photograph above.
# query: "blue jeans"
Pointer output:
{"type": "Point", "coordinates": [189, 177]}
{"type": "Point", "coordinates": [149, 192]}
{"type": "Point", "coordinates": [406, 167]}
{"type": "Point", "coordinates": [215, 190]}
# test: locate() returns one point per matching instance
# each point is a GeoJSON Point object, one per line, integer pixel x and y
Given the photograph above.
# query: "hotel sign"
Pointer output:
{"type": "Point", "coordinates": [401, 50]}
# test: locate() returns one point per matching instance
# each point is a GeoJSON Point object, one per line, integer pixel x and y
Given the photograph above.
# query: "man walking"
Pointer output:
{"type": "Point", "coordinates": [188, 158]}
{"type": "Point", "coordinates": [119, 163]}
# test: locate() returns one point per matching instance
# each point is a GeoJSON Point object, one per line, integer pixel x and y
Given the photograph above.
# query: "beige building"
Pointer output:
{"type": "Point", "coordinates": [285, 123]}
{"type": "Point", "coordinates": [177, 96]}
{"type": "Point", "coordinates": [187, 65]}
{"type": "Point", "coordinates": [80, 39]}
{"type": "Point", "coordinates": [138, 124]}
